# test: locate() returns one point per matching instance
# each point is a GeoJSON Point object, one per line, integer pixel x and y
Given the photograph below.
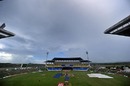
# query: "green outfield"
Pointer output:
{"type": "Point", "coordinates": [76, 79]}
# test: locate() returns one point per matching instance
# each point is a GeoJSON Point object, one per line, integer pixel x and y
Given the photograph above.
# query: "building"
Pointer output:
{"type": "Point", "coordinates": [76, 64]}
{"type": "Point", "coordinates": [120, 28]}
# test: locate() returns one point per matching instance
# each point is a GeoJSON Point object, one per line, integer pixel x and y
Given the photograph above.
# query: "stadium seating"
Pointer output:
{"type": "Point", "coordinates": [80, 69]}
{"type": "Point", "coordinates": [54, 69]}
{"type": "Point", "coordinates": [75, 69]}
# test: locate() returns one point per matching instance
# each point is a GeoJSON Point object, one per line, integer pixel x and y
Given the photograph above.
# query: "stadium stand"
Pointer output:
{"type": "Point", "coordinates": [120, 28]}
{"type": "Point", "coordinates": [4, 33]}
{"type": "Point", "coordinates": [76, 64]}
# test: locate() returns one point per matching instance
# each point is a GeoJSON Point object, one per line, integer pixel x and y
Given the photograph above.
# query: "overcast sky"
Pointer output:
{"type": "Point", "coordinates": [64, 28]}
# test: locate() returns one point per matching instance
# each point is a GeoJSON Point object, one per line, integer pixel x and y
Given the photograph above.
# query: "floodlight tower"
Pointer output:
{"type": "Point", "coordinates": [87, 55]}
{"type": "Point", "coordinates": [47, 55]}
{"type": "Point", "coordinates": [88, 58]}
{"type": "Point", "coordinates": [46, 58]}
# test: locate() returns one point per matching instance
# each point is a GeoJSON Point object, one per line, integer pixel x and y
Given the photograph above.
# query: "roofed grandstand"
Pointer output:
{"type": "Point", "coordinates": [76, 64]}
{"type": "Point", "coordinates": [4, 33]}
{"type": "Point", "coordinates": [120, 28]}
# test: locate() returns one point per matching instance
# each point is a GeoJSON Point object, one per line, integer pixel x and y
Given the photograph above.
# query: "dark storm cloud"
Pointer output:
{"type": "Point", "coordinates": [71, 27]}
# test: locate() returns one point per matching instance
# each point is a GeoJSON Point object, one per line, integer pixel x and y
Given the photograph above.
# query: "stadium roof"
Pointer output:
{"type": "Point", "coordinates": [120, 28]}
{"type": "Point", "coordinates": [75, 58]}
{"type": "Point", "coordinates": [85, 61]}
{"type": "Point", "coordinates": [4, 33]}
{"type": "Point", "coordinates": [49, 61]}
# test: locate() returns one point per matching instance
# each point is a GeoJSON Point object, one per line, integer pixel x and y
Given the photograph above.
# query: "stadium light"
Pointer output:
{"type": "Point", "coordinates": [46, 58]}
{"type": "Point", "coordinates": [87, 55]}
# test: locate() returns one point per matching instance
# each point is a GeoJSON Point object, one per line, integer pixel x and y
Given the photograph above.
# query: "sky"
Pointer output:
{"type": "Point", "coordinates": [64, 28]}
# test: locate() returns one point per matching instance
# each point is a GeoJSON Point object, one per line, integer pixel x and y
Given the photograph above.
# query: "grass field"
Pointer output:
{"type": "Point", "coordinates": [79, 79]}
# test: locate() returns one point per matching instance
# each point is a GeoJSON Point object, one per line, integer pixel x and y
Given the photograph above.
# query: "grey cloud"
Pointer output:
{"type": "Point", "coordinates": [71, 27]}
